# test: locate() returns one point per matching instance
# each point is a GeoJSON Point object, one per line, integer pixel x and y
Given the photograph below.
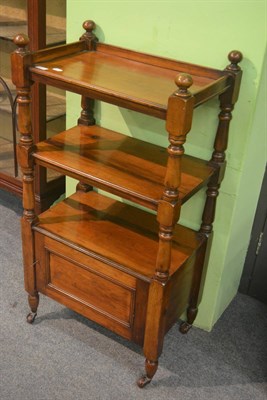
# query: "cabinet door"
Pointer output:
{"type": "Point", "coordinates": [87, 285]}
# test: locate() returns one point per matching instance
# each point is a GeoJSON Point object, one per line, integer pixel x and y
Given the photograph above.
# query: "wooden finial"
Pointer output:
{"type": "Point", "coordinates": [21, 41]}
{"type": "Point", "coordinates": [89, 26]}
{"type": "Point", "coordinates": [234, 57]}
{"type": "Point", "coordinates": [89, 36]}
{"type": "Point", "coordinates": [183, 81]}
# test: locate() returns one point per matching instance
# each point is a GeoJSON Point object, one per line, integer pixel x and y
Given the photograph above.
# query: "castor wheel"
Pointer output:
{"type": "Point", "coordinates": [150, 370]}
{"type": "Point", "coordinates": [143, 381]}
{"type": "Point", "coordinates": [31, 317]}
{"type": "Point", "coordinates": [185, 327]}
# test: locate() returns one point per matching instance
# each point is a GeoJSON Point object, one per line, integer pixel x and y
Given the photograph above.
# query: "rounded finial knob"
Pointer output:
{"type": "Point", "coordinates": [235, 56]}
{"type": "Point", "coordinates": [21, 40]}
{"type": "Point", "coordinates": [89, 25]}
{"type": "Point", "coordinates": [183, 81]}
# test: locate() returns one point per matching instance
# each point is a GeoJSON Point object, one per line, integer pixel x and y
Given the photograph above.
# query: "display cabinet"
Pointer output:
{"type": "Point", "coordinates": [45, 24]}
{"type": "Point", "coordinates": [130, 270]}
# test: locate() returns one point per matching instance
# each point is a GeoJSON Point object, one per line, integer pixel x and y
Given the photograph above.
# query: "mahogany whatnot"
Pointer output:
{"type": "Point", "coordinates": [127, 269]}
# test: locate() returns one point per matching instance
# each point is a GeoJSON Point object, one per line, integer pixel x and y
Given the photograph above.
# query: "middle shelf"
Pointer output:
{"type": "Point", "coordinates": [120, 164]}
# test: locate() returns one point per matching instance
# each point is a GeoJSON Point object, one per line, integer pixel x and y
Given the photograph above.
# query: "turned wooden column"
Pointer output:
{"type": "Point", "coordinates": [25, 147]}
{"type": "Point", "coordinates": [227, 101]}
{"type": "Point", "coordinates": [36, 12]}
{"type": "Point", "coordinates": [178, 124]}
{"type": "Point", "coordinates": [87, 104]}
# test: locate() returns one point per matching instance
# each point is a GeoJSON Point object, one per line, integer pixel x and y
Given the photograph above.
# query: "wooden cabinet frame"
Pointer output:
{"type": "Point", "coordinates": [123, 267]}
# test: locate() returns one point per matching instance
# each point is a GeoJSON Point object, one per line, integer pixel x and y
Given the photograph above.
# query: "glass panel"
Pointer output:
{"type": "Point", "coordinates": [13, 20]}
{"type": "Point", "coordinates": [56, 119]}
{"type": "Point", "coordinates": [55, 22]}
{"type": "Point", "coordinates": [55, 34]}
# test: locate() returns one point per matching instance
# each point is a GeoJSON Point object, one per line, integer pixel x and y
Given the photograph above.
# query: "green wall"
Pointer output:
{"type": "Point", "coordinates": [202, 32]}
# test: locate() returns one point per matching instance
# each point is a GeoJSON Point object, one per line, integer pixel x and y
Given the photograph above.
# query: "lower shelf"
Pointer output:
{"type": "Point", "coordinates": [97, 256]}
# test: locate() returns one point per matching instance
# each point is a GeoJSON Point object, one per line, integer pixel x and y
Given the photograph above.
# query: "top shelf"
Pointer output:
{"type": "Point", "coordinates": [122, 77]}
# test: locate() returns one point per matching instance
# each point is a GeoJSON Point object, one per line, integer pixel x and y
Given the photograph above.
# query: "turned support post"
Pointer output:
{"type": "Point", "coordinates": [179, 118]}
{"type": "Point", "coordinates": [154, 330]}
{"type": "Point", "coordinates": [87, 104]}
{"type": "Point", "coordinates": [87, 113]}
{"type": "Point", "coordinates": [20, 59]}
{"type": "Point", "coordinates": [227, 101]}
{"type": "Point", "coordinates": [178, 124]}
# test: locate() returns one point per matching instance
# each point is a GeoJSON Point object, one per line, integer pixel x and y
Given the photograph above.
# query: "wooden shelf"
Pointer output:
{"type": "Point", "coordinates": [132, 271]}
{"type": "Point", "coordinates": [7, 161]}
{"type": "Point", "coordinates": [120, 164]}
{"type": "Point", "coordinates": [9, 28]}
{"type": "Point", "coordinates": [133, 80]}
{"type": "Point", "coordinates": [114, 233]}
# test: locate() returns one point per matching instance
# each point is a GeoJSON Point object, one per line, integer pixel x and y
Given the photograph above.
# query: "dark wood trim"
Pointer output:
{"type": "Point", "coordinates": [257, 228]}
{"type": "Point", "coordinates": [11, 184]}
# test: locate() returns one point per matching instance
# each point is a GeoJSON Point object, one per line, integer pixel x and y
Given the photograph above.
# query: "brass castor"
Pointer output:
{"type": "Point", "coordinates": [185, 327]}
{"type": "Point", "coordinates": [151, 368]}
{"type": "Point", "coordinates": [143, 381]}
{"type": "Point", "coordinates": [31, 317]}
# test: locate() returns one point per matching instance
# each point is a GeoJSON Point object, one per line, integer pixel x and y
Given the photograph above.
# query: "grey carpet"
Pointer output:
{"type": "Point", "coordinates": [63, 356]}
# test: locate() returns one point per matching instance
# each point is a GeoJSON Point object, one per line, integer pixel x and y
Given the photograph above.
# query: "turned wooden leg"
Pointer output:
{"type": "Point", "coordinates": [151, 368]}
{"type": "Point", "coordinates": [33, 303]}
{"type": "Point", "coordinates": [191, 316]}
{"type": "Point", "coordinates": [196, 289]}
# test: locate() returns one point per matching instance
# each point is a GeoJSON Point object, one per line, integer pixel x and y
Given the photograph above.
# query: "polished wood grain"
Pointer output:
{"type": "Point", "coordinates": [122, 81]}
{"type": "Point", "coordinates": [118, 163]}
{"type": "Point", "coordinates": [115, 232]}
{"type": "Point", "coordinates": [90, 257]}
{"type": "Point", "coordinates": [127, 269]}
{"type": "Point", "coordinates": [90, 287]}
